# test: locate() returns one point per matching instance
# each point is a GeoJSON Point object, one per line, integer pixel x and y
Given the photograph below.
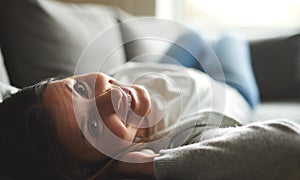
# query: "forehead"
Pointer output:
{"type": "Point", "coordinates": [58, 99]}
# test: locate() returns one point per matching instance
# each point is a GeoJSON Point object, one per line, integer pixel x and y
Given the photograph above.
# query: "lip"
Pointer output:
{"type": "Point", "coordinates": [123, 108]}
{"type": "Point", "coordinates": [133, 100]}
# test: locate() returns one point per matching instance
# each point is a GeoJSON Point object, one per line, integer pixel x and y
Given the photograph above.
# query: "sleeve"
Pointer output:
{"type": "Point", "coordinates": [6, 90]}
{"type": "Point", "coordinates": [262, 150]}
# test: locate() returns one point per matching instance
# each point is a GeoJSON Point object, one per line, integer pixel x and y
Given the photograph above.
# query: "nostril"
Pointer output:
{"type": "Point", "coordinates": [114, 82]}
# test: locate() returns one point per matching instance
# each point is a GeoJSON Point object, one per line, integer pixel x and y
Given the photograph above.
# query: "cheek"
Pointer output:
{"type": "Point", "coordinates": [115, 126]}
{"type": "Point", "coordinates": [111, 119]}
{"type": "Point", "coordinates": [104, 104]}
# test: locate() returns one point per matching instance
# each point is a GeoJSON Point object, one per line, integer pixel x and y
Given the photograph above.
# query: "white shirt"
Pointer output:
{"type": "Point", "coordinates": [177, 92]}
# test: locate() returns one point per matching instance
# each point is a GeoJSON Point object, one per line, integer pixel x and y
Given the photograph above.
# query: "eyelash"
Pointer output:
{"type": "Point", "coordinates": [85, 94]}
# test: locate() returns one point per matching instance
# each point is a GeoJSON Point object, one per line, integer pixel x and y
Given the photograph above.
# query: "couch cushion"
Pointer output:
{"type": "Point", "coordinates": [277, 110]}
{"type": "Point", "coordinates": [3, 73]}
{"type": "Point", "coordinates": [43, 38]}
{"type": "Point", "coordinates": [148, 39]}
{"type": "Point", "coordinates": [276, 66]}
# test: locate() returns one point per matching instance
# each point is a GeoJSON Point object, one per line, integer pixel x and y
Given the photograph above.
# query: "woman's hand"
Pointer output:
{"type": "Point", "coordinates": [136, 164]}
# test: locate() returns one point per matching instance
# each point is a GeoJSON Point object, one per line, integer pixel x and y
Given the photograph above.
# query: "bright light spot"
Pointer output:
{"type": "Point", "coordinates": [244, 13]}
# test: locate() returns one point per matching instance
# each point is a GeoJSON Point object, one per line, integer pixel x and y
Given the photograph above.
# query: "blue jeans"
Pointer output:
{"type": "Point", "coordinates": [226, 60]}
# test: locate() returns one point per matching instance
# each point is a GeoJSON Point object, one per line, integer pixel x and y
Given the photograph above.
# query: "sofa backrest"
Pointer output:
{"type": "Point", "coordinates": [276, 66]}
{"type": "Point", "coordinates": [45, 38]}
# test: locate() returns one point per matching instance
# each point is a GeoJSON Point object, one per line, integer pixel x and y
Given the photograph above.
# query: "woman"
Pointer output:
{"type": "Point", "coordinates": [94, 126]}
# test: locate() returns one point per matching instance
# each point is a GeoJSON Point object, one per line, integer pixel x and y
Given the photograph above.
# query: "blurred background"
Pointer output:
{"type": "Point", "coordinates": [254, 18]}
{"type": "Point", "coordinates": [49, 37]}
{"type": "Point", "coordinates": [271, 26]}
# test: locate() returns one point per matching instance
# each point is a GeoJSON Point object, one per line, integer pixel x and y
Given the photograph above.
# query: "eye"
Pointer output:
{"type": "Point", "coordinates": [93, 127]}
{"type": "Point", "coordinates": [81, 89]}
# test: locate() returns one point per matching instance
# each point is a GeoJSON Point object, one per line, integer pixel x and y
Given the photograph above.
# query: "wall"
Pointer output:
{"type": "Point", "coordinates": [135, 7]}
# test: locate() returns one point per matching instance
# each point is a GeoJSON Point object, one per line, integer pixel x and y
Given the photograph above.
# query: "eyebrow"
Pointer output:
{"type": "Point", "coordinates": [67, 85]}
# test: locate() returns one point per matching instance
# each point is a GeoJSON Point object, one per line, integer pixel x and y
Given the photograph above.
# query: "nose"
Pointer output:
{"type": "Point", "coordinates": [100, 83]}
{"type": "Point", "coordinates": [110, 103]}
{"type": "Point", "coordinates": [107, 92]}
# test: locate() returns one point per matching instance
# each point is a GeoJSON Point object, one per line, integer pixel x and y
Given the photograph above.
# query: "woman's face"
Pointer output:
{"type": "Point", "coordinates": [94, 110]}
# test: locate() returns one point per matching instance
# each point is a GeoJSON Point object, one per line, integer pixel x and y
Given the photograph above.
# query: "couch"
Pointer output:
{"type": "Point", "coordinates": [276, 66]}
{"type": "Point", "coordinates": [43, 38]}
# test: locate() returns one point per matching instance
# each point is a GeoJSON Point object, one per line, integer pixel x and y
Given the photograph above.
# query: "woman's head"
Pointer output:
{"type": "Point", "coordinates": [29, 147]}
{"type": "Point", "coordinates": [51, 128]}
{"type": "Point", "coordinates": [93, 111]}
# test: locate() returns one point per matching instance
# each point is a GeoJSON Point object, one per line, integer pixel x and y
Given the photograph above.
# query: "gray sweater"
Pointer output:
{"type": "Point", "coordinates": [260, 150]}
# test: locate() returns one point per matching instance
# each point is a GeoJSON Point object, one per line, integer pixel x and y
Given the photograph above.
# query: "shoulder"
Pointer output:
{"type": "Point", "coordinates": [192, 129]}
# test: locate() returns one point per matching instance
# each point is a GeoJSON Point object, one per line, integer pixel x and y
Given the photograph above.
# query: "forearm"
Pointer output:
{"type": "Point", "coordinates": [135, 164]}
{"type": "Point", "coordinates": [135, 170]}
{"type": "Point", "coordinates": [259, 151]}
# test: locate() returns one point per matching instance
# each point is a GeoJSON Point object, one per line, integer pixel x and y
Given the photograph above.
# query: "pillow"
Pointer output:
{"type": "Point", "coordinates": [144, 41]}
{"type": "Point", "coordinates": [276, 66]}
{"type": "Point", "coordinates": [3, 73]}
{"type": "Point", "coordinates": [45, 38]}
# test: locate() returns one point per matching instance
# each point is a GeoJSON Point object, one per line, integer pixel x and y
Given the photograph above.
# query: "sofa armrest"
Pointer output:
{"type": "Point", "coordinates": [276, 66]}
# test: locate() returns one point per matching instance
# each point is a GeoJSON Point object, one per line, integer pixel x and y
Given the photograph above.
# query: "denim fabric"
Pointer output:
{"type": "Point", "coordinates": [226, 60]}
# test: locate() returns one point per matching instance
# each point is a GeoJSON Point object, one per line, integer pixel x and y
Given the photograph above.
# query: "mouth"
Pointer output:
{"type": "Point", "coordinates": [130, 98]}
{"type": "Point", "coordinates": [125, 105]}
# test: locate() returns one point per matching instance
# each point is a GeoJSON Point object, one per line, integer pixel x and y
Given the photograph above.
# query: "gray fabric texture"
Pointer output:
{"type": "Point", "coordinates": [147, 39]}
{"type": "Point", "coordinates": [261, 150]}
{"type": "Point", "coordinates": [45, 38]}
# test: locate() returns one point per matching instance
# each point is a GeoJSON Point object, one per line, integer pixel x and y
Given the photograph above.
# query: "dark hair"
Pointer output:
{"type": "Point", "coordinates": [29, 145]}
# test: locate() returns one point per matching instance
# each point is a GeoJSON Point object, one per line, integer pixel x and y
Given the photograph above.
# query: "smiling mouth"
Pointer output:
{"type": "Point", "coordinates": [125, 105]}
{"type": "Point", "coordinates": [129, 99]}
{"type": "Point", "coordinates": [131, 106]}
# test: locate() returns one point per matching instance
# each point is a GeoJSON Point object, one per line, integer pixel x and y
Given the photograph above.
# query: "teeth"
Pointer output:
{"type": "Point", "coordinates": [129, 99]}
